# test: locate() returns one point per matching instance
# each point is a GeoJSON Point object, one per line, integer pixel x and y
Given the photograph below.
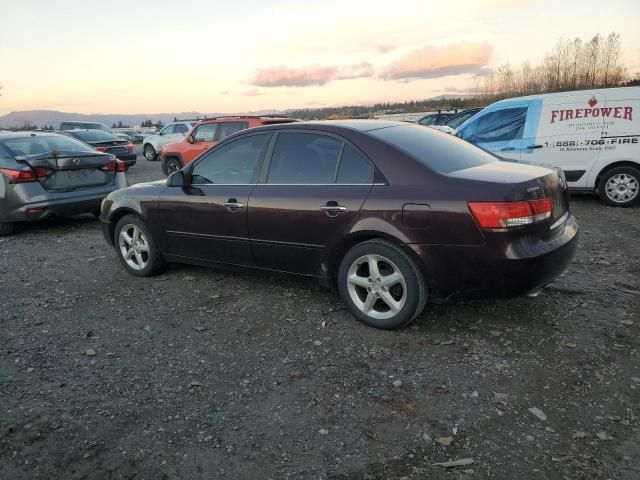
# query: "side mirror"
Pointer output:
{"type": "Point", "coordinates": [160, 133]}
{"type": "Point", "coordinates": [190, 139]}
{"type": "Point", "coordinates": [176, 179]}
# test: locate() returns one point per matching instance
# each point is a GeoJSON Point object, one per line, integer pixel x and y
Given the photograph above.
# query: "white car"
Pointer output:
{"type": "Point", "coordinates": [170, 133]}
{"type": "Point", "coordinates": [592, 135]}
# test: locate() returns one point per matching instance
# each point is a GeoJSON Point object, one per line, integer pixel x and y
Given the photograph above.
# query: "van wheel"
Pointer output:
{"type": "Point", "coordinates": [381, 285]}
{"type": "Point", "coordinates": [620, 187]}
{"type": "Point", "coordinates": [136, 248]}
{"type": "Point", "coordinates": [6, 229]}
{"type": "Point", "coordinates": [149, 152]}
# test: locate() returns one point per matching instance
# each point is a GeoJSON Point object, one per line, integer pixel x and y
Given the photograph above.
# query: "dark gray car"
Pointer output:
{"type": "Point", "coordinates": [43, 175]}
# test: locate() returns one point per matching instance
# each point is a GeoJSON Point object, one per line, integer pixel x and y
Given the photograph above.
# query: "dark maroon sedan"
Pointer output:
{"type": "Point", "coordinates": [392, 213]}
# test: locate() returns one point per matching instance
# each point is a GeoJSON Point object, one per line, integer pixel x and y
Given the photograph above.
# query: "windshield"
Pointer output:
{"type": "Point", "coordinates": [45, 144]}
{"type": "Point", "coordinates": [456, 121]}
{"type": "Point", "coordinates": [438, 151]}
{"type": "Point", "coordinates": [94, 136]}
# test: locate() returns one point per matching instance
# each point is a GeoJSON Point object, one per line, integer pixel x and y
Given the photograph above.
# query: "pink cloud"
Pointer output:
{"type": "Point", "coordinates": [312, 75]}
{"type": "Point", "coordinates": [293, 77]}
{"type": "Point", "coordinates": [384, 48]}
{"type": "Point", "coordinates": [433, 62]}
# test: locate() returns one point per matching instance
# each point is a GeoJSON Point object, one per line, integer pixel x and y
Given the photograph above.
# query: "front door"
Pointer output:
{"type": "Point", "coordinates": [311, 195]}
{"type": "Point", "coordinates": [567, 135]}
{"type": "Point", "coordinates": [208, 219]}
{"type": "Point", "coordinates": [201, 140]}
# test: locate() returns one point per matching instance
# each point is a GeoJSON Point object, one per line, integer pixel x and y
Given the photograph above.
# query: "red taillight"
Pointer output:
{"type": "Point", "coordinates": [115, 166]}
{"type": "Point", "coordinates": [24, 176]}
{"type": "Point", "coordinates": [101, 149]}
{"type": "Point", "coordinates": [129, 147]}
{"type": "Point", "coordinates": [510, 214]}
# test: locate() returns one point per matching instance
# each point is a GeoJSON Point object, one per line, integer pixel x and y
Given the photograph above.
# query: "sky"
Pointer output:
{"type": "Point", "coordinates": [142, 56]}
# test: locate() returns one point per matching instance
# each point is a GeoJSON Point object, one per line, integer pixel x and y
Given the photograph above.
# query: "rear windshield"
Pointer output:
{"type": "Point", "coordinates": [94, 136]}
{"type": "Point", "coordinates": [96, 126]}
{"type": "Point", "coordinates": [438, 151]}
{"type": "Point", "coordinates": [45, 144]}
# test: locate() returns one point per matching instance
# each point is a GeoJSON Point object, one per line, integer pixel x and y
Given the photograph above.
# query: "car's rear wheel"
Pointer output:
{"type": "Point", "coordinates": [172, 165]}
{"type": "Point", "coordinates": [620, 186]}
{"type": "Point", "coordinates": [6, 229]}
{"type": "Point", "coordinates": [149, 153]}
{"type": "Point", "coordinates": [381, 285]}
{"type": "Point", "coordinates": [136, 248]}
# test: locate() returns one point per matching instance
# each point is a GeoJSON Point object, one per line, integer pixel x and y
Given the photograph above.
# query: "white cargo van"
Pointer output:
{"type": "Point", "coordinates": [592, 135]}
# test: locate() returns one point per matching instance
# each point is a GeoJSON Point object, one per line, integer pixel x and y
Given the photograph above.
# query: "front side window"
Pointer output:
{"type": "Point", "coordinates": [304, 158]}
{"type": "Point", "coordinates": [205, 133]}
{"type": "Point", "coordinates": [70, 126]}
{"type": "Point", "coordinates": [231, 164]}
{"type": "Point", "coordinates": [229, 128]}
{"type": "Point", "coordinates": [498, 126]}
{"type": "Point", "coordinates": [167, 130]}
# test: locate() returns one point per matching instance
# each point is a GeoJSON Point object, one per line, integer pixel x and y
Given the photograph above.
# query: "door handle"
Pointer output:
{"type": "Point", "coordinates": [507, 149]}
{"type": "Point", "coordinates": [233, 204]}
{"type": "Point", "coordinates": [333, 208]}
{"type": "Point", "coordinates": [534, 146]}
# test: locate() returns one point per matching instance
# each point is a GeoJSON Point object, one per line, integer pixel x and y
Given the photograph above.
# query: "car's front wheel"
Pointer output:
{"type": "Point", "coordinates": [381, 285]}
{"type": "Point", "coordinates": [136, 248]}
{"type": "Point", "coordinates": [620, 187]}
{"type": "Point", "coordinates": [172, 165]}
{"type": "Point", "coordinates": [149, 152]}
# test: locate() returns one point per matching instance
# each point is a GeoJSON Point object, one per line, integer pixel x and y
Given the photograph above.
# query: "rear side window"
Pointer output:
{"type": "Point", "coordinates": [428, 120]}
{"type": "Point", "coordinates": [180, 128]}
{"type": "Point", "coordinates": [354, 168]}
{"type": "Point", "coordinates": [70, 126]}
{"type": "Point", "coordinates": [498, 126]}
{"type": "Point", "coordinates": [229, 128]}
{"type": "Point", "coordinates": [304, 158]}
{"type": "Point", "coordinates": [438, 151]}
{"type": "Point", "coordinates": [205, 133]}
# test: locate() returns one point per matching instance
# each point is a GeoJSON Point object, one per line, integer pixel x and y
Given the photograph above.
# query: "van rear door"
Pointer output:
{"type": "Point", "coordinates": [565, 130]}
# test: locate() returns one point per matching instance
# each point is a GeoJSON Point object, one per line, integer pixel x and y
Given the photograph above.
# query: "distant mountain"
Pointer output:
{"type": "Point", "coordinates": [40, 118]}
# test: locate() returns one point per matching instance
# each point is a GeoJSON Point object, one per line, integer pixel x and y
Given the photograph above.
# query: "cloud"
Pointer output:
{"type": "Point", "coordinates": [384, 48]}
{"type": "Point", "coordinates": [434, 62]}
{"type": "Point", "coordinates": [251, 93]}
{"type": "Point", "coordinates": [306, 76]}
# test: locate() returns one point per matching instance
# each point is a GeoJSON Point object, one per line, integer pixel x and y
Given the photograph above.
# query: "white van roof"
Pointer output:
{"type": "Point", "coordinates": [610, 93]}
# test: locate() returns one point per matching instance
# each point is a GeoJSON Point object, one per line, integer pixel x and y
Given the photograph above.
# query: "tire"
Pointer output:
{"type": "Point", "coordinates": [171, 165]}
{"type": "Point", "coordinates": [408, 293]}
{"type": "Point", "coordinates": [143, 263]}
{"type": "Point", "coordinates": [6, 229]}
{"type": "Point", "coordinates": [620, 187]}
{"type": "Point", "coordinates": [150, 153]}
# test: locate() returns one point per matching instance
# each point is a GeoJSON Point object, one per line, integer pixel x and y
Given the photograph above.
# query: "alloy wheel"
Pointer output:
{"type": "Point", "coordinates": [149, 153]}
{"type": "Point", "coordinates": [376, 286]}
{"type": "Point", "coordinates": [134, 247]}
{"type": "Point", "coordinates": [622, 188]}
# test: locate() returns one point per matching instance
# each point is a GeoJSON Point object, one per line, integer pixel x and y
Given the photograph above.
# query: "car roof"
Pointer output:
{"type": "Point", "coordinates": [356, 125]}
{"type": "Point", "coordinates": [26, 134]}
{"type": "Point", "coordinates": [235, 118]}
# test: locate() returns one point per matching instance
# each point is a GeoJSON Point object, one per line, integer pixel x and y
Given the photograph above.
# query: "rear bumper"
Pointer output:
{"type": "Point", "coordinates": [128, 158]}
{"type": "Point", "coordinates": [31, 202]}
{"type": "Point", "coordinates": [499, 268]}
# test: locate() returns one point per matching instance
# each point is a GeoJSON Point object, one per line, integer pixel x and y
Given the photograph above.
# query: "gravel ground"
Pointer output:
{"type": "Point", "coordinates": [201, 373]}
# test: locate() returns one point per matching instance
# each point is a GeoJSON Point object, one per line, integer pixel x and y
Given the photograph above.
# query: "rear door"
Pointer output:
{"type": "Point", "coordinates": [208, 219]}
{"type": "Point", "coordinates": [308, 197]}
{"type": "Point", "coordinates": [498, 130]}
{"type": "Point", "coordinates": [566, 131]}
{"type": "Point", "coordinates": [203, 138]}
